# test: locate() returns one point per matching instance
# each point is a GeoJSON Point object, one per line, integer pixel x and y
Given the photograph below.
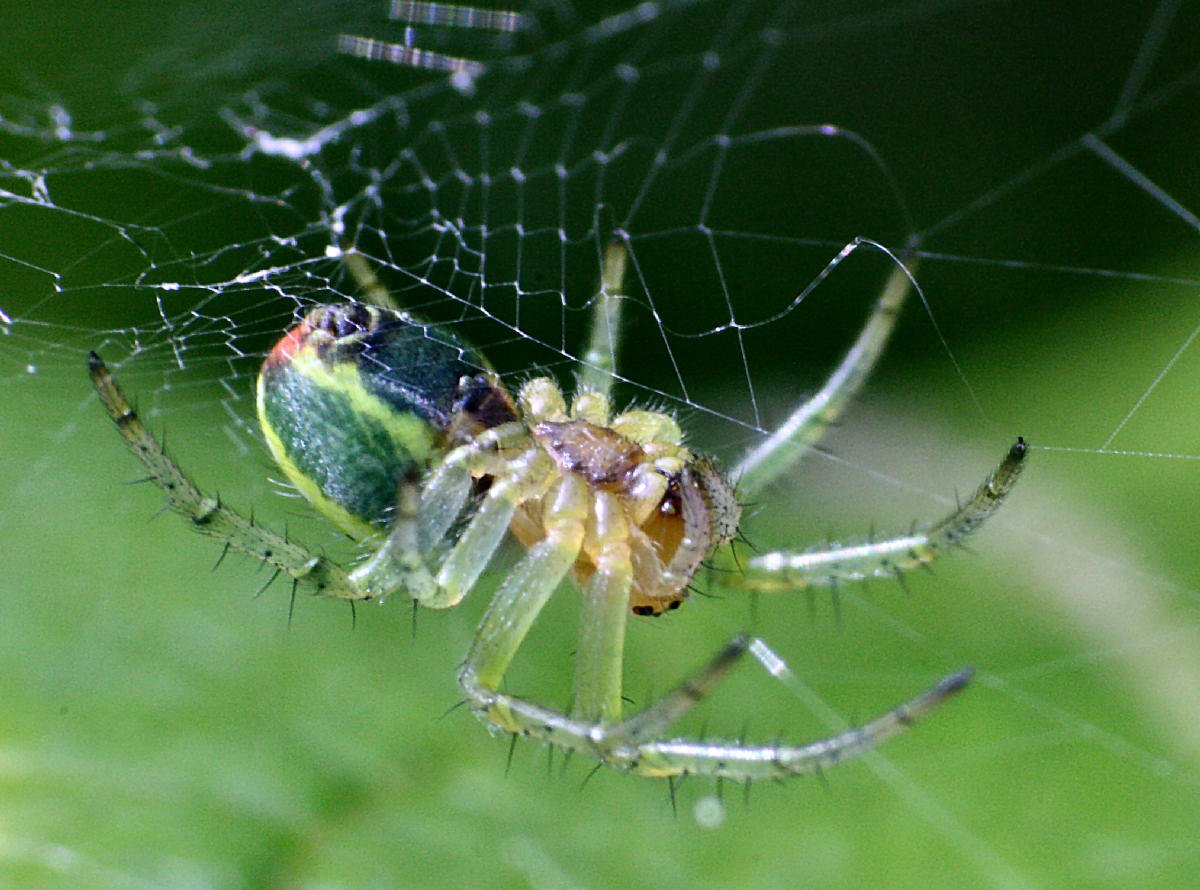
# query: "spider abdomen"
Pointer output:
{"type": "Point", "coordinates": [357, 400]}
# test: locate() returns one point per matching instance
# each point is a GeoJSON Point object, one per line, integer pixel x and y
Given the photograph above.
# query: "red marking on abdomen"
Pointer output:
{"type": "Point", "coordinates": [285, 349]}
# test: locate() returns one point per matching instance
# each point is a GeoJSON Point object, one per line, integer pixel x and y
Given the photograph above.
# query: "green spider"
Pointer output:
{"type": "Point", "coordinates": [403, 436]}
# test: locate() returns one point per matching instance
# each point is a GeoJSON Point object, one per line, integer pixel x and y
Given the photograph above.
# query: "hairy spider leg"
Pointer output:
{"type": "Point", "coordinates": [784, 570]}
{"type": "Point", "coordinates": [206, 514]}
{"type": "Point", "coordinates": [811, 419]}
{"type": "Point", "coordinates": [395, 564]}
{"type": "Point", "coordinates": [733, 760]}
{"type": "Point", "coordinates": [630, 744]}
{"type": "Point", "coordinates": [372, 288]}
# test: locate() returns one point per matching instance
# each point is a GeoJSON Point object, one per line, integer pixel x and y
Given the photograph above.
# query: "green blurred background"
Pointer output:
{"type": "Point", "coordinates": [160, 726]}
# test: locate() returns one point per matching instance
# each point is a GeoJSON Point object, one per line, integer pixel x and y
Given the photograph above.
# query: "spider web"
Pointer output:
{"type": "Point", "coordinates": [177, 188]}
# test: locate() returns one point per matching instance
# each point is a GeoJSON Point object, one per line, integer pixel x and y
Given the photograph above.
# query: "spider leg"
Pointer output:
{"type": "Point", "coordinates": [621, 740]}
{"type": "Point", "coordinates": [206, 514]}
{"type": "Point", "coordinates": [421, 519]}
{"type": "Point", "coordinates": [600, 360]}
{"type": "Point", "coordinates": [605, 607]}
{"type": "Point", "coordinates": [397, 564]}
{"type": "Point", "coordinates": [813, 417]}
{"type": "Point", "coordinates": [368, 282]}
{"type": "Point", "coordinates": [445, 494]}
{"type": "Point", "coordinates": [521, 479]}
{"type": "Point", "coordinates": [797, 571]}
{"type": "Point", "coordinates": [733, 760]}
{"type": "Point", "coordinates": [517, 603]}
{"type": "Point", "coordinates": [631, 745]}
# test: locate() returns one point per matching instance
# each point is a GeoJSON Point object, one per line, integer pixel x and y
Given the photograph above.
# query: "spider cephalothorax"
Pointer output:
{"type": "Point", "coordinates": [675, 508]}
{"type": "Point", "coordinates": [403, 435]}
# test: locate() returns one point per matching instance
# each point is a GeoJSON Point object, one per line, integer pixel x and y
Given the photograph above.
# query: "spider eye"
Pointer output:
{"type": "Point", "coordinates": [670, 504]}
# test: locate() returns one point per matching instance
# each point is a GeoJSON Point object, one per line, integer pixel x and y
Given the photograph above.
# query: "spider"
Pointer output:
{"type": "Point", "coordinates": [401, 434]}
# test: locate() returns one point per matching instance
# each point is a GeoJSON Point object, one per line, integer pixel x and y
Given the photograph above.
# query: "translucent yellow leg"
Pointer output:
{"type": "Point", "coordinates": [600, 656]}
{"type": "Point", "coordinates": [633, 745]}
{"type": "Point", "coordinates": [521, 597]}
{"type": "Point", "coordinates": [812, 418]}
{"type": "Point", "coordinates": [206, 514]}
{"type": "Point", "coordinates": [600, 359]}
